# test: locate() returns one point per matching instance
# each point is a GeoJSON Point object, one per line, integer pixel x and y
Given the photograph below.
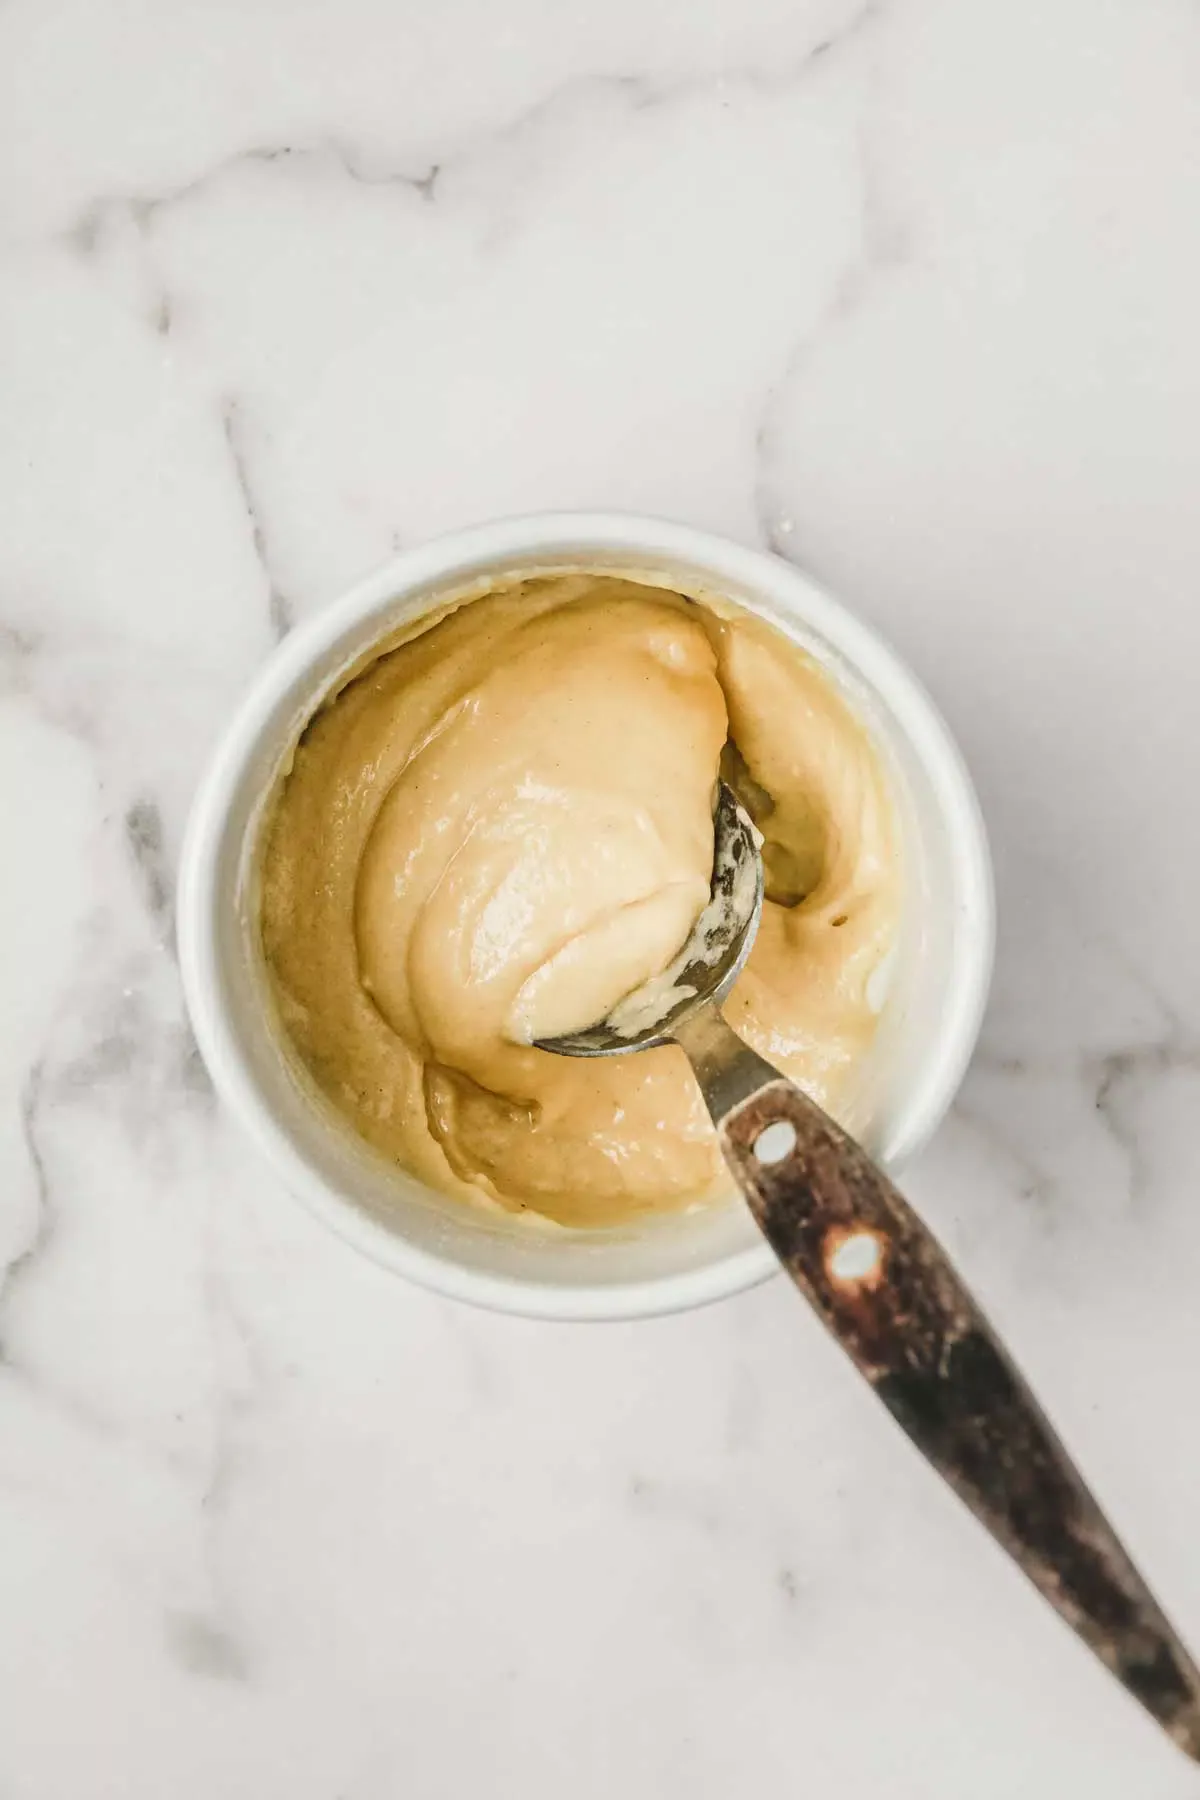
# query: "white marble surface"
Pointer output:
{"type": "Point", "coordinates": [908, 290]}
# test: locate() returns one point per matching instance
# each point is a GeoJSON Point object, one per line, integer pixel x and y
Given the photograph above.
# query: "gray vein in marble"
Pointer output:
{"type": "Point", "coordinates": [144, 1067]}
{"type": "Point", "coordinates": [240, 1398]}
{"type": "Point", "coordinates": [43, 1225]}
{"type": "Point", "coordinates": [884, 246]}
{"type": "Point", "coordinates": [202, 1647]}
{"type": "Point", "coordinates": [356, 167]}
{"type": "Point", "coordinates": [88, 236]}
{"type": "Point", "coordinates": [210, 1644]}
{"type": "Point", "coordinates": [1110, 1079]}
{"type": "Point", "coordinates": [17, 646]}
{"type": "Point", "coordinates": [788, 1586]}
{"type": "Point", "coordinates": [144, 209]}
{"type": "Point", "coordinates": [1033, 1183]}
{"type": "Point", "coordinates": [95, 1427]}
{"type": "Point", "coordinates": [136, 1059]}
{"type": "Point", "coordinates": [423, 174]}
{"type": "Point", "coordinates": [32, 662]}
{"type": "Point", "coordinates": [35, 1096]}
{"type": "Point", "coordinates": [131, 1049]}
{"type": "Point", "coordinates": [144, 836]}
{"type": "Point", "coordinates": [1114, 1075]}
{"type": "Point", "coordinates": [279, 608]}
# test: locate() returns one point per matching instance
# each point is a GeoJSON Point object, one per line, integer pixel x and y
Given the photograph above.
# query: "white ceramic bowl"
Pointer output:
{"type": "Point", "coordinates": [929, 1021]}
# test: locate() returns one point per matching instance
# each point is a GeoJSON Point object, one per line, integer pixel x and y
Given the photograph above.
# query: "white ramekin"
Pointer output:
{"type": "Point", "coordinates": [930, 1018]}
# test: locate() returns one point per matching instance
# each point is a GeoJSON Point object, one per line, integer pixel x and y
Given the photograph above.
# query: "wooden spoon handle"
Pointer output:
{"type": "Point", "coordinates": [889, 1294]}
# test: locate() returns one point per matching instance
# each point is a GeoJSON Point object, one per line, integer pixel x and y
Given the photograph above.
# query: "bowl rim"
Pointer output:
{"type": "Point", "coordinates": [464, 555]}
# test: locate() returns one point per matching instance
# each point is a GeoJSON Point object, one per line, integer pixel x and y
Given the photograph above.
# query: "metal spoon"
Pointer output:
{"type": "Point", "coordinates": [887, 1291]}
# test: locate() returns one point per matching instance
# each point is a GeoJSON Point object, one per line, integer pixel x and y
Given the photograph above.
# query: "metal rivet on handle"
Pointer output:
{"type": "Point", "coordinates": [775, 1142]}
{"type": "Point", "coordinates": [855, 1258]}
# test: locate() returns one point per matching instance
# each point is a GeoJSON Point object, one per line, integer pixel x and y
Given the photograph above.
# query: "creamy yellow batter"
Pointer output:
{"type": "Point", "coordinates": [504, 824]}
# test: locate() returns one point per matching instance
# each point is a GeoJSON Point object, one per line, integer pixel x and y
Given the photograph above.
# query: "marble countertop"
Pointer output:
{"type": "Point", "coordinates": [907, 290]}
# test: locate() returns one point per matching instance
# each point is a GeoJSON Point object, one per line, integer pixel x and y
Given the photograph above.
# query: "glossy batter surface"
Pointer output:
{"type": "Point", "coordinates": [504, 824]}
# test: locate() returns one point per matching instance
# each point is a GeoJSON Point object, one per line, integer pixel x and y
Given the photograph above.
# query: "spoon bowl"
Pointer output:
{"type": "Point", "coordinates": [711, 959]}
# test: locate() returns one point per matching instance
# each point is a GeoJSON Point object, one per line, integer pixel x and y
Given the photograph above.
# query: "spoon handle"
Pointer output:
{"type": "Point", "coordinates": [889, 1294]}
